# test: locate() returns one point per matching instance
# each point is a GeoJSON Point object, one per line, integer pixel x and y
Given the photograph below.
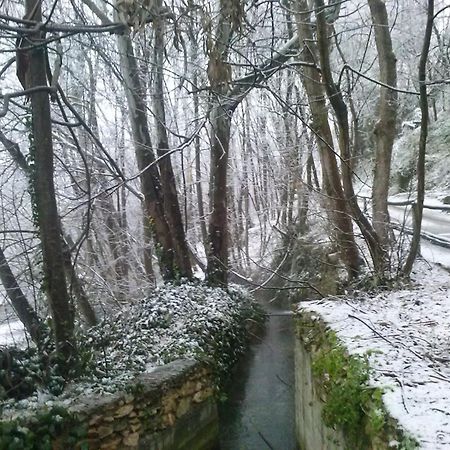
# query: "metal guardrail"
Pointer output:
{"type": "Point", "coordinates": [411, 203]}
{"type": "Point", "coordinates": [433, 238]}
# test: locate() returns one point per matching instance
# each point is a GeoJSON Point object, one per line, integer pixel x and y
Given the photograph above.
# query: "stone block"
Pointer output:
{"type": "Point", "coordinates": [183, 406]}
{"type": "Point", "coordinates": [104, 431]}
{"type": "Point", "coordinates": [111, 444]}
{"type": "Point", "coordinates": [124, 410]}
{"type": "Point", "coordinates": [95, 420]}
{"type": "Point", "coordinates": [132, 440]}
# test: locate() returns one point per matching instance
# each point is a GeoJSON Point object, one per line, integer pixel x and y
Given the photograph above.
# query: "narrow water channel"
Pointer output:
{"type": "Point", "coordinates": [259, 413]}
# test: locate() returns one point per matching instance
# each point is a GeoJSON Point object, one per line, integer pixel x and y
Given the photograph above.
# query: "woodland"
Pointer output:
{"type": "Point", "coordinates": [146, 142]}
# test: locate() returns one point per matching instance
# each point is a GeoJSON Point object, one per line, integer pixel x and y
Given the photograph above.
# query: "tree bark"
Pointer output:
{"type": "Point", "coordinates": [169, 190]}
{"type": "Point", "coordinates": [86, 310]}
{"type": "Point", "coordinates": [198, 171]}
{"type": "Point", "coordinates": [46, 208]}
{"type": "Point", "coordinates": [26, 314]}
{"type": "Point", "coordinates": [337, 205]}
{"type": "Point", "coordinates": [418, 206]}
{"type": "Point", "coordinates": [378, 253]}
{"type": "Point", "coordinates": [115, 232]}
{"type": "Point", "coordinates": [219, 74]}
{"type": "Point", "coordinates": [155, 222]}
{"type": "Point", "coordinates": [217, 268]}
{"type": "Point", "coordinates": [385, 128]}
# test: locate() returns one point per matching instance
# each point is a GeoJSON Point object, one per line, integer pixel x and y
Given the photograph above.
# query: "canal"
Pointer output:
{"type": "Point", "coordinates": [259, 411]}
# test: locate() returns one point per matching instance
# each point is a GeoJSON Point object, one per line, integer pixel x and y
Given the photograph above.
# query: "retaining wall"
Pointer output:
{"type": "Point", "coordinates": [171, 407]}
{"type": "Point", "coordinates": [372, 428]}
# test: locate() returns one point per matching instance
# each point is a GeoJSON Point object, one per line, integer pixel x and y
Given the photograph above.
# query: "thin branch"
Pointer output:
{"type": "Point", "coordinates": [379, 83]}
{"type": "Point", "coordinates": [7, 97]}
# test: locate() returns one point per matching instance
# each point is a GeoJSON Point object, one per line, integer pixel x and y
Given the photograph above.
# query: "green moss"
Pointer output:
{"type": "Point", "coordinates": [408, 443]}
{"type": "Point", "coordinates": [350, 402]}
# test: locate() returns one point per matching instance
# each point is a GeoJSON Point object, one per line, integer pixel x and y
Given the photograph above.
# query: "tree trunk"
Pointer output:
{"type": "Point", "coordinates": [155, 221]}
{"type": "Point", "coordinates": [219, 74]}
{"type": "Point", "coordinates": [26, 314]}
{"type": "Point", "coordinates": [217, 269]}
{"type": "Point", "coordinates": [115, 232]}
{"type": "Point", "coordinates": [169, 190]}
{"type": "Point", "coordinates": [86, 310]}
{"type": "Point", "coordinates": [337, 205]}
{"type": "Point", "coordinates": [46, 208]}
{"type": "Point", "coordinates": [336, 99]}
{"type": "Point", "coordinates": [385, 128]}
{"type": "Point", "coordinates": [87, 313]}
{"type": "Point", "coordinates": [198, 171]}
{"type": "Point", "coordinates": [418, 207]}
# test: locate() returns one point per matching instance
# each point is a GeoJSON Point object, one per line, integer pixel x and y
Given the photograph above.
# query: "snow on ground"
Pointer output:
{"type": "Point", "coordinates": [409, 332]}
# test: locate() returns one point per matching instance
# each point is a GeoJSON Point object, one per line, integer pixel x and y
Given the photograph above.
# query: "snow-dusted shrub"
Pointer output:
{"type": "Point", "coordinates": [187, 320]}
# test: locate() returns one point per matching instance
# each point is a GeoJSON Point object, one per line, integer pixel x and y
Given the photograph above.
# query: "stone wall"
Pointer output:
{"type": "Point", "coordinates": [171, 407]}
{"type": "Point", "coordinates": [313, 339]}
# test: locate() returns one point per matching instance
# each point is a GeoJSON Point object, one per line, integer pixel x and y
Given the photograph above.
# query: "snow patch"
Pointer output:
{"type": "Point", "coordinates": [407, 334]}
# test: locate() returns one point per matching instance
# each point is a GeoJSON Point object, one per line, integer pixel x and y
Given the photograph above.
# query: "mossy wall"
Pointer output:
{"type": "Point", "coordinates": [170, 408]}
{"type": "Point", "coordinates": [336, 407]}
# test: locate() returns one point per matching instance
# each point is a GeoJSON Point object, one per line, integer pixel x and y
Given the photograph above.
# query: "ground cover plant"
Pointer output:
{"type": "Point", "coordinates": [188, 320]}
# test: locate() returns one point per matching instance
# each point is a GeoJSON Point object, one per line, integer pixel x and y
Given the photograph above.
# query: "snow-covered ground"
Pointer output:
{"type": "Point", "coordinates": [408, 332]}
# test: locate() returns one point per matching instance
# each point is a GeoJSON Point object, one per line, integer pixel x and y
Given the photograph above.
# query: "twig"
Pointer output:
{"type": "Point", "coordinates": [266, 441]}
{"type": "Point", "coordinates": [402, 393]}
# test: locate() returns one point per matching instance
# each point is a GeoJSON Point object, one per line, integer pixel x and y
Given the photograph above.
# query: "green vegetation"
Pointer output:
{"type": "Point", "coordinates": [42, 431]}
{"type": "Point", "coordinates": [350, 403]}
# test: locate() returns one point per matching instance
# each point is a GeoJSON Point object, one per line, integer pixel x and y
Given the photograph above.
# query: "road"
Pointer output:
{"type": "Point", "coordinates": [435, 224]}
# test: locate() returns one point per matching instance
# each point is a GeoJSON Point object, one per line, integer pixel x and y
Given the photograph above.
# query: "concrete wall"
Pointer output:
{"type": "Point", "coordinates": [311, 339]}
{"type": "Point", "coordinates": [311, 432]}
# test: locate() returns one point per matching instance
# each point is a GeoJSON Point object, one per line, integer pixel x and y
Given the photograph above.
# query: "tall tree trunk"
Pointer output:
{"type": "Point", "coordinates": [217, 269]}
{"type": "Point", "coordinates": [46, 208]}
{"type": "Point", "coordinates": [198, 171]}
{"type": "Point", "coordinates": [337, 205]}
{"type": "Point", "coordinates": [386, 125]}
{"type": "Point", "coordinates": [169, 190]}
{"type": "Point", "coordinates": [418, 206]}
{"type": "Point", "coordinates": [336, 99]}
{"type": "Point", "coordinates": [26, 314]}
{"type": "Point", "coordinates": [155, 222]}
{"type": "Point", "coordinates": [219, 74]}
{"type": "Point", "coordinates": [115, 232]}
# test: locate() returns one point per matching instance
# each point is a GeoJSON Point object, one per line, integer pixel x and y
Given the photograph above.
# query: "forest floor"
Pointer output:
{"type": "Point", "coordinates": [407, 335]}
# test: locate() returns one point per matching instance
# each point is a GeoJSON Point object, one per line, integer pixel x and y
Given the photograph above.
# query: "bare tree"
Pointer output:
{"type": "Point", "coordinates": [418, 206]}
{"type": "Point", "coordinates": [44, 191]}
{"type": "Point", "coordinates": [26, 314]}
{"type": "Point", "coordinates": [385, 128]}
{"type": "Point", "coordinates": [337, 202]}
{"type": "Point", "coordinates": [76, 285]}
{"type": "Point", "coordinates": [169, 189]}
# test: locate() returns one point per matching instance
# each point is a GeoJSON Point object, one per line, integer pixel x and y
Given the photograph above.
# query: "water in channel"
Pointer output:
{"type": "Point", "coordinates": [259, 412]}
